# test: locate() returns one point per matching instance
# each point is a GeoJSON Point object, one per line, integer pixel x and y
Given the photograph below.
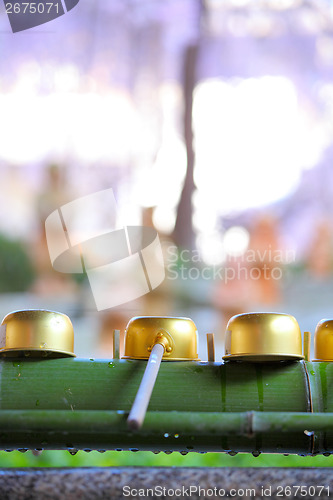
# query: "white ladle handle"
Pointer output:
{"type": "Point", "coordinates": [142, 398]}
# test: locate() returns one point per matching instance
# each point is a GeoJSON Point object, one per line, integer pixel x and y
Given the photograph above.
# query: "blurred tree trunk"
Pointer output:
{"type": "Point", "coordinates": [183, 234]}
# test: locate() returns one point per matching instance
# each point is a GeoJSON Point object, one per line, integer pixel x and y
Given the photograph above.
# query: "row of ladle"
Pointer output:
{"type": "Point", "coordinates": [251, 337]}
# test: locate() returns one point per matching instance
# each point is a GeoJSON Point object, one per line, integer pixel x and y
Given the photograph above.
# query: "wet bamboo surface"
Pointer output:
{"type": "Point", "coordinates": [195, 406]}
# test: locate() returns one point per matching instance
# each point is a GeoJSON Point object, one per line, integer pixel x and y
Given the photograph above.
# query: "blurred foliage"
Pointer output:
{"type": "Point", "coordinates": [148, 458]}
{"type": "Point", "coordinates": [16, 269]}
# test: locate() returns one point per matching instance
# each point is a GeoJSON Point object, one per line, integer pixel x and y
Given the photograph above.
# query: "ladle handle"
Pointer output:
{"type": "Point", "coordinates": [142, 398]}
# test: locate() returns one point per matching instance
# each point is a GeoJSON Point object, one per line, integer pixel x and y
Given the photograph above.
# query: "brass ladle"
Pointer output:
{"type": "Point", "coordinates": [156, 338]}
{"type": "Point", "coordinates": [36, 333]}
{"type": "Point", "coordinates": [263, 337]}
{"type": "Point", "coordinates": [323, 341]}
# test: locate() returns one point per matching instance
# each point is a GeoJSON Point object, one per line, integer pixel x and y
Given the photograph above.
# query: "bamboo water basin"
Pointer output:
{"type": "Point", "coordinates": [285, 407]}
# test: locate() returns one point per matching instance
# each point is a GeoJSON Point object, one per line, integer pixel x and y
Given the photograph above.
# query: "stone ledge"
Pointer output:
{"type": "Point", "coordinates": [108, 483]}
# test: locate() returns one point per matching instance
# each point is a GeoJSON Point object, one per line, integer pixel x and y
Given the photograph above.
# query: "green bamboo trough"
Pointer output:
{"type": "Point", "coordinates": [54, 402]}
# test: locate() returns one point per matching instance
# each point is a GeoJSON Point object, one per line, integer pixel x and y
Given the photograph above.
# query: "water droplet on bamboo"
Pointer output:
{"type": "Point", "coordinates": [36, 453]}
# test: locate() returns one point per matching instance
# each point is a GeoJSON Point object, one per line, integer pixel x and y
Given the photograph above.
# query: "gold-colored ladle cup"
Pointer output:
{"type": "Point", "coordinates": [262, 337]}
{"type": "Point", "coordinates": [156, 338]}
{"type": "Point", "coordinates": [323, 341]}
{"type": "Point", "coordinates": [36, 333]}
